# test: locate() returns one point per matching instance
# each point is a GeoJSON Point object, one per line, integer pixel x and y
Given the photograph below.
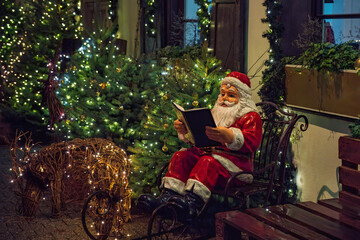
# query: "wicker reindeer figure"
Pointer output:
{"type": "Point", "coordinates": [70, 168]}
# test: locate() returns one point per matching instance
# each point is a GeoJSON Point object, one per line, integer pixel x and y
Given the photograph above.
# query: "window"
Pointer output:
{"type": "Point", "coordinates": [191, 26]}
{"type": "Point", "coordinates": [341, 20]}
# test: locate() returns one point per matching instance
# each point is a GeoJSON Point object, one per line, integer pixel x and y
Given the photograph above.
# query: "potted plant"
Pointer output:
{"type": "Point", "coordinates": [324, 79]}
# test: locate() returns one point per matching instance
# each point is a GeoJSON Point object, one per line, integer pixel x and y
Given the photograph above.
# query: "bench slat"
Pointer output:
{"type": "Point", "coordinates": [315, 222]}
{"type": "Point", "coordinates": [284, 224]}
{"type": "Point", "coordinates": [330, 214]}
{"type": "Point", "coordinates": [348, 149]}
{"type": "Point", "coordinates": [349, 177]}
{"type": "Point", "coordinates": [248, 224]}
{"type": "Point", "coordinates": [350, 203]}
{"type": "Point", "coordinates": [332, 203]}
{"type": "Point", "coordinates": [335, 204]}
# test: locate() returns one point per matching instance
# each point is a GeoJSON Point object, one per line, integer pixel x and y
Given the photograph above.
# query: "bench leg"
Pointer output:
{"type": "Point", "coordinates": [226, 232]}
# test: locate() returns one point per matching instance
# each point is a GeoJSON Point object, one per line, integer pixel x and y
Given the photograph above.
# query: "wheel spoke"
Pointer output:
{"type": "Point", "coordinates": [97, 215]}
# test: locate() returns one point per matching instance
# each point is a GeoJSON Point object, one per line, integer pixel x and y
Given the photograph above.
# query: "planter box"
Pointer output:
{"type": "Point", "coordinates": [334, 93]}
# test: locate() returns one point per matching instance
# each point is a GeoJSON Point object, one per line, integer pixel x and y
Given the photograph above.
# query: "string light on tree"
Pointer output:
{"type": "Point", "coordinates": [182, 81]}
{"type": "Point", "coordinates": [27, 66]}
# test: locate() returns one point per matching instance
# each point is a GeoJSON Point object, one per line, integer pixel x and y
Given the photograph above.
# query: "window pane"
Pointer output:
{"type": "Point", "coordinates": [190, 9]}
{"type": "Point", "coordinates": [192, 34]}
{"type": "Point", "coordinates": [341, 30]}
{"type": "Point", "coordinates": [341, 6]}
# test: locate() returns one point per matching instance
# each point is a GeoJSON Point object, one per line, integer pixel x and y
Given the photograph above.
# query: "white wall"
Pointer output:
{"type": "Point", "coordinates": [316, 153]}
{"type": "Point", "coordinates": [256, 44]}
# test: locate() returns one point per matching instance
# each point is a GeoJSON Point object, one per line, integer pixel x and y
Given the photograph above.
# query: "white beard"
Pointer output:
{"type": "Point", "coordinates": [226, 116]}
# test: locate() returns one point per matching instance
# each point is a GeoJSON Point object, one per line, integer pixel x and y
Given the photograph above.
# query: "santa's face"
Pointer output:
{"type": "Point", "coordinates": [232, 103]}
{"type": "Point", "coordinates": [229, 95]}
{"type": "Point", "coordinates": [227, 106]}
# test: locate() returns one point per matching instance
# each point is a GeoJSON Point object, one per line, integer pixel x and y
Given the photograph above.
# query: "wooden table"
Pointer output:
{"type": "Point", "coordinates": [327, 219]}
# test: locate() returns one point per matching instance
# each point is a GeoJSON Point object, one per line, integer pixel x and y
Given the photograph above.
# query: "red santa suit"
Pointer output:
{"type": "Point", "coordinates": [200, 172]}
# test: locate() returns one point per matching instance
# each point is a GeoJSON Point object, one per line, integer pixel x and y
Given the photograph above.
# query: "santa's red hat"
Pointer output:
{"type": "Point", "coordinates": [238, 80]}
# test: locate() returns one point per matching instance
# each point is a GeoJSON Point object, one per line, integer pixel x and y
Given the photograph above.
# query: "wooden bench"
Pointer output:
{"type": "Point", "coordinates": [337, 218]}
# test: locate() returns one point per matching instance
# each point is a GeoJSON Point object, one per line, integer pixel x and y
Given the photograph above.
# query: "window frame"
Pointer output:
{"type": "Point", "coordinates": [320, 15]}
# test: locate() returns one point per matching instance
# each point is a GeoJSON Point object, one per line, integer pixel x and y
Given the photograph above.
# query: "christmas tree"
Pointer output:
{"type": "Point", "coordinates": [10, 42]}
{"type": "Point", "coordinates": [104, 92]}
{"type": "Point", "coordinates": [31, 69]}
{"type": "Point", "coordinates": [190, 82]}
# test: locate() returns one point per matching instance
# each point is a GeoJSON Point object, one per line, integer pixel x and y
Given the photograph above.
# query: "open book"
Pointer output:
{"type": "Point", "coordinates": [195, 121]}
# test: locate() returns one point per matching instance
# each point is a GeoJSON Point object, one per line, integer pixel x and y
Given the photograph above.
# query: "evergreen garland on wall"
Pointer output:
{"type": "Point", "coordinates": [151, 7]}
{"type": "Point", "coordinates": [273, 87]}
{"type": "Point", "coordinates": [112, 11]}
{"type": "Point", "coordinates": [113, 4]}
{"type": "Point", "coordinates": [273, 84]}
{"type": "Point", "coordinates": [204, 18]}
{"type": "Point", "coordinates": [203, 14]}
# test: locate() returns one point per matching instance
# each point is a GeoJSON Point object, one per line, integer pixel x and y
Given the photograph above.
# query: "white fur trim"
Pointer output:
{"type": "Point", "coordinates": [198, 188]}
{"type": "Point", "coordinates": [236, 83]}
{"type": "Point", "coordinates": [233, 169]}
{"type": "Point", "coordinates": [173, 184]}
{"type": "Point", "coordinates": [238, 140]}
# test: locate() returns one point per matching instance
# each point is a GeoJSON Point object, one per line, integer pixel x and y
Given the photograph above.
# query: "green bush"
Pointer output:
{"type": "Point", "coordinates": [355, 129]}
{"type": "Point", "coordinates": [329, 57]}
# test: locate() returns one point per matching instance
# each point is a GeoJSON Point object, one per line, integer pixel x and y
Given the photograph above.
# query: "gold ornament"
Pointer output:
{"type": "Point", "coordinates": [118, 70]}
{"type": "Point", "coordinates": [165, 97]}
{"type": "Point", "coordinates": [97, 93]}
{"type": "Point", "coordinates": [102, 85]}
{"type": "Point", "coordinates": [67, 121]}
{"type": "Point", "coordinates": [165, 148]}
{"type": "Point", "coordinates": [82, 116]}
{"type": "Point", "coordinates": [195, 103]}
{"type": "Point", "coordinates": [166, 125]}
{"type": "Point", "coordinates": [121, 108]}
{"type": "Point", "coordinates": [74, 68]}
{"type": "Point", "coordinates": [357, 64]}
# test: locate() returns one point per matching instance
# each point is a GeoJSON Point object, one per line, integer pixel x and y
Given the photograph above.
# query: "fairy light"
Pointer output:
{"type": "Point", "coordinates": [21, 45]}
{"type": "Point", "coordinates": [204, 18]}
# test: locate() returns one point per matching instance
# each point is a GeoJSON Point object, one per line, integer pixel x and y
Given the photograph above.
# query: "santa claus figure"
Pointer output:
{"type": "Point", "coordinates": [194, 173]}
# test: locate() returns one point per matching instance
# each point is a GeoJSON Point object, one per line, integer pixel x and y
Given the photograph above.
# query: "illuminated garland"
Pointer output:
{"type": "Point", "coordinates": [204, 18]}
{"type": "Point", "coordinates": [273, 88]}
{"type": "Point", "coordinates": [113, 9]}
{"type": "Point", "coordinates": [203, 14]}
{"type": "Point", "coordinates": [150, 11]}
{"type": "Point", "coordinates": [273, 84]}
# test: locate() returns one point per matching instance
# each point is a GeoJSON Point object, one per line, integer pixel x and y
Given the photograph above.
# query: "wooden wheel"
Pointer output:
{"type": "Point", "coordinates": [163, 223]}
{"type": "Point", "coordinates": [97, 215]}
